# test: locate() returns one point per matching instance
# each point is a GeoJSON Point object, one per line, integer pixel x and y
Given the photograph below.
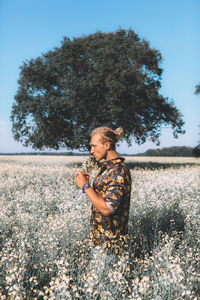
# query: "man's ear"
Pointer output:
{"type": "Point", "coordinates": [107, 145]}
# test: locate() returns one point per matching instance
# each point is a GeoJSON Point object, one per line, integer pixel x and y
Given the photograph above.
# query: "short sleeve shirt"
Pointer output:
{"type": "Point", "coordinates": [113, 183]}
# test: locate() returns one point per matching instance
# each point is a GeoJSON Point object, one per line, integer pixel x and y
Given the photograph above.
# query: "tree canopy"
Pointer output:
{"type": "Point", "coordinates": [197, 148]}
{"type": "Point", "coordinates": [197, 89]}
{"type": "Point", "coordinates": [103, 79]}
{"type": "Point", "coordinates": [170, 151]}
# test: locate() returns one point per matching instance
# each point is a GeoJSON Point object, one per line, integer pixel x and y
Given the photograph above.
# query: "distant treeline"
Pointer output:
{"type": "Point", "coordinates": [171, 151]}
{"type": "Point", "coordinates": [70, 153]}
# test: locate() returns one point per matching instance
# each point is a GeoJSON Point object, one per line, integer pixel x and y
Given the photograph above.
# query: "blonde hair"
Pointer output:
{"type": "Point", "coordinates": [109, 135]}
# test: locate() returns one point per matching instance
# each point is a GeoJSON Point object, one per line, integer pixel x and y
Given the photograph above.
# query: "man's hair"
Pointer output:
{"type": "Point", "coordinates": [109, 135]}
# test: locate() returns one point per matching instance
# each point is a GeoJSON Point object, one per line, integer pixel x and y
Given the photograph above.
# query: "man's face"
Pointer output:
{"type": "Point", "coordinates": [98, 149]}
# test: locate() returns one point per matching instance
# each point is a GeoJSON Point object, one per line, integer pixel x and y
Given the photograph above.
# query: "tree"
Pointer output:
{"type": "Point", "coordinates": [171, 151]}
{"type": "Point", "coordinates": [196, 151]}
{"type": "Point", "coordinates": [197, 148]}
{"type": "Point", "coordinates": [197, 91]}
{"type": "Point", "coordinates": [110, 79]}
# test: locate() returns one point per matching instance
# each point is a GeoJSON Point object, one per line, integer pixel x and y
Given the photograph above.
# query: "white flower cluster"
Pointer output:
{"type": "Point", "coordinates": [90, 164]}
{"type": "Point", "coordinates": [44, 231]}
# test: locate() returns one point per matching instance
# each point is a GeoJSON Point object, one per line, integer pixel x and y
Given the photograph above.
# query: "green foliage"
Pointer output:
{"type": "Point", "coordinates": [170, 151]}
{"type": "Point", "coordinates": [196, 151]}
{"type": "Point", "coordinates": [108, 79]}
{"type": "Point", "coordinates": [197, 91]}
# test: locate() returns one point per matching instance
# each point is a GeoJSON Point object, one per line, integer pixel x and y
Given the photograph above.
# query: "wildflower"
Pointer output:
{"type": "Point", "coordinates": [89, 164]}
{"type": "Point", "coordinates": [42, 217]}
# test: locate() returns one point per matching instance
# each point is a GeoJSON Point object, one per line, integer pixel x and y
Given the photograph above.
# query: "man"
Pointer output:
{"type": "Point", "coordinates": [110, 194]}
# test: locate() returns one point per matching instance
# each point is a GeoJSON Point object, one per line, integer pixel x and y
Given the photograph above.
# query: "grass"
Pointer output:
{"type": "Point", "coordinates": [44, 224]}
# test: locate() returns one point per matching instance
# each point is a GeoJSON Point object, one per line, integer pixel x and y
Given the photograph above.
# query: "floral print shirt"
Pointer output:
{"type": "Point", "coordinates": [113, 183]}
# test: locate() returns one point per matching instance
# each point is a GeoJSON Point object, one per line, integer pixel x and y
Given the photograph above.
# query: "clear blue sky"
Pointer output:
{"type": "Point", "coordinates": [29, 28]}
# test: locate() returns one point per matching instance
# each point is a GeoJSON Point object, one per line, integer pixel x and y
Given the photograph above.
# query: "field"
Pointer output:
{"type": "Point", "coordinates": [44, 230]}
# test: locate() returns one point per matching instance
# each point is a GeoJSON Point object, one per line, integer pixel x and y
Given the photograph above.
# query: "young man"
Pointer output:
{"type": "Point", "coordinates": [110, 194]}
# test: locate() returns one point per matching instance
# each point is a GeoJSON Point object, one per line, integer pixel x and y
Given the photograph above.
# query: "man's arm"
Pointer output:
{"type": "Point", "coordinates": [98, 201]}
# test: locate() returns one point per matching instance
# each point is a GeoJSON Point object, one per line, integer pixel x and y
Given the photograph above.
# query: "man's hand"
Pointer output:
{"type": "Point", "coordinates": [81, 178]}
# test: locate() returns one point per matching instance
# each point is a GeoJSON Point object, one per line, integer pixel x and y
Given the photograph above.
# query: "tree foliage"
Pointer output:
{"type": "Point", "coordinates": [196, 151]}
{"type": "Point", "coordinates": [197, 148]}
{"type": "Point", "coordinates": [103, 79]}
{"type": "Point", "coordinates": [170, 151]}
{"type": "Point", "coordinates": [197, 89]}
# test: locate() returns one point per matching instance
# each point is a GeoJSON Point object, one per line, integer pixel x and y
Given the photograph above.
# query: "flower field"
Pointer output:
{"type": "Point", "coordinates": [44, 230]}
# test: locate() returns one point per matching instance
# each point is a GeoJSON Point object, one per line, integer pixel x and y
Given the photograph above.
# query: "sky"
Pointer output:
{"type": "Point", "coordinates": [30, 28]}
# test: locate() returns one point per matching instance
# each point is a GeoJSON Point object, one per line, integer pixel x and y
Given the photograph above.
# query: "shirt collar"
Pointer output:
{"type": "Point", "coordinates": [112, 162]}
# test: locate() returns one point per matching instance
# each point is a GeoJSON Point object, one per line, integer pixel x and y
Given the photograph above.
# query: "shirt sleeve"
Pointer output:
{"type": "Point", "coordinates": [114, 189]}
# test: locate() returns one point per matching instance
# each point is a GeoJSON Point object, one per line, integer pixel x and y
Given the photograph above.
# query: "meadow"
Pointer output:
{"type": "Point", "coordinates": [44, 230]}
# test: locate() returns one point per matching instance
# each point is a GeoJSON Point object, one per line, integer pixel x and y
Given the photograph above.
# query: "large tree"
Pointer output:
{"type": "Point", "coordinates": [110, 79]}
{"type": "Point", "coordinates": [197, 148]}
{"type": "Point", "coordinates": [197, 89]}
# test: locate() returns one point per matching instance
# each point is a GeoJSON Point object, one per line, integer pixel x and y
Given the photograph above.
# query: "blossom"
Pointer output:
{"type": "Point", "coordinates": [44, 221]}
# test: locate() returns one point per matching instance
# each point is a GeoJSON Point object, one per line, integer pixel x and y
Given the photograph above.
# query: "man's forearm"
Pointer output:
{"type": "Point", "coordinates": [97, 201]}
